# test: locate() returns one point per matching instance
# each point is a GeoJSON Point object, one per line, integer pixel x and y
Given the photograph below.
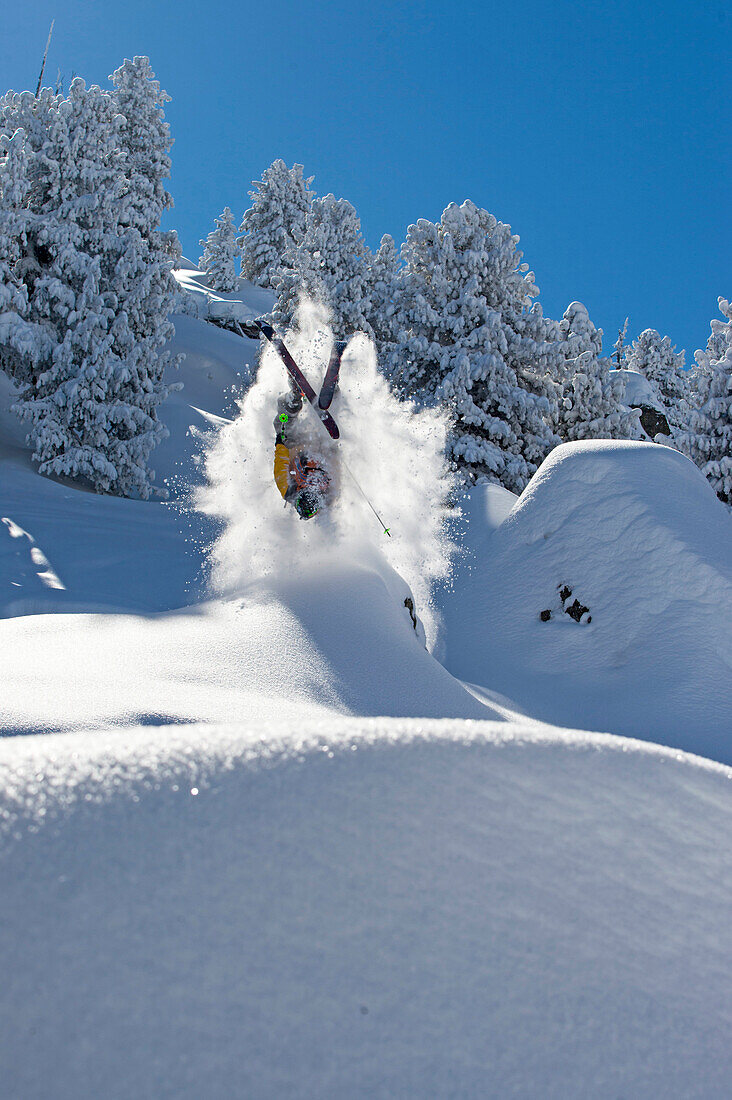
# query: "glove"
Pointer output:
{"type": "Point", "coordinates": [280, 430]}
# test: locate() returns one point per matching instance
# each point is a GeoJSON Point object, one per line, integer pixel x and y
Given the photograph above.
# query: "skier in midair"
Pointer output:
{"type": "Point", "coordinates": [300, 478]}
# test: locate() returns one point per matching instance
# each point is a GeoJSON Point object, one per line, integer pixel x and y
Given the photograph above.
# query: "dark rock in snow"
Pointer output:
{"type": "Point", "coordinates": [653, 422]}
{"type": "Point", "coordinates": [576, 611]}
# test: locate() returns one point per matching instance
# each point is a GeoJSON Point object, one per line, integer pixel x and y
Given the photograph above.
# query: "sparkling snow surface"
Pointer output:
{"type": "Point", "coordinates": [270, 847]}
{"type": "Point", "coordinates": [366, 909]}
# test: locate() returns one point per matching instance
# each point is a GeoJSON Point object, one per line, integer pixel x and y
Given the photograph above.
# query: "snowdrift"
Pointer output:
{"type": "Point", "coordinates": [366, 909]}
{"type": "Point", "coordinates": [335, 639]}
{"type": "Point", "coordinates": [640, 539]}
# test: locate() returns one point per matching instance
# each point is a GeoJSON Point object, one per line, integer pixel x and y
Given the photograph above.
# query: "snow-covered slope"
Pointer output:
{"type": "Point", "coordinates": [327, 630]}
{"type": "Point", "coordinates": [636, 533]}
{"type": "Point", "coordinates": [334, 639]}
{"type": "Point", "coordinates": [62, 548]}
{"type": "Point", "coordinates": [366, 909]}
{"type": "Point", "coordinates": [268, 848]}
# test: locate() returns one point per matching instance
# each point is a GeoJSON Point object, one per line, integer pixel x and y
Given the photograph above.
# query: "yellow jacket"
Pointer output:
{"type": "Point", "coordinates": [282, 468]}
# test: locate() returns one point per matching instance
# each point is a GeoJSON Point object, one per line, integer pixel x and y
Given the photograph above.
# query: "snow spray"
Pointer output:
{"type": "Point", "coordinates": [394, 451]}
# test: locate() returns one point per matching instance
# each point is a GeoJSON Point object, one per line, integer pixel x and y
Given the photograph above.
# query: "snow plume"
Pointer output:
{"type": "Point", "coordinates": [388, 448]}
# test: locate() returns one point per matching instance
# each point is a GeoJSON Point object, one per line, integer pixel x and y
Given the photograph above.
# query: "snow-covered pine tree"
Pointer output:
{"type": "Point", "coordinates": [220, 254]}
{"type": "Point", "coordinates": [591, 405]}
{"type": "Point", "coordinates": [709, 439]}
{"type": "Point", "coordinates": [151, 291]}
{"type": "Point", "coordinates": [75, 172]}
{"type": "Point", "coordinates": [655, 358]}
{"type": "Point", "coordinates": [92, 384]}
{"type": "Point", "coordinates": [22, 344]}
{"type": "Point", "coordinates": [143, 276]}
{"type": "Point", "coordinates": [145, 137]}
{"type": "Point", "coordinates": [274, 222]}
{"type": "Point", "coordinates": [386, 274]}
{"type": "Point", "coordinates": [330, 263]}
{"type": "Point", "coordinates": [619, 346]}
{"type": "Point", "coordinates": [25, 122]}
{"type": "Point", "coordinates": [469, 338]}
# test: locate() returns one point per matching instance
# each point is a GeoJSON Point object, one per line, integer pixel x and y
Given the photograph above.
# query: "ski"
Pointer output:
{"type": "Point", "coordinates": [254, 328]}
{"type": "Point", "coordinates": [331, 375]}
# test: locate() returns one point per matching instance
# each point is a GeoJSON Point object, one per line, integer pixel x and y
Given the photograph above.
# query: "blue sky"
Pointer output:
{"type": "Point", "coordinates": [597, 130]}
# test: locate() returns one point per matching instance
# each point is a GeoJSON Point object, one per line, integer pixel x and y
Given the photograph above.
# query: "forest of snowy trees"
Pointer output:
{"type": "Point", "coordinates": [87, 291]}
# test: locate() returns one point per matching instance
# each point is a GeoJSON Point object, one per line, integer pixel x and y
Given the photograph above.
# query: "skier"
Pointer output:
{"type": "Point", "coordinates": [299, 478]}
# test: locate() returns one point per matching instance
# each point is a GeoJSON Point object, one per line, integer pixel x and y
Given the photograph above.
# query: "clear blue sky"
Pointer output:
{"type": "Point", "coordinates": [598, 130]}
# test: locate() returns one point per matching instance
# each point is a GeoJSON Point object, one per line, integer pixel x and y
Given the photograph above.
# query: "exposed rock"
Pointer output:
{"type": "Point", "coordinates": [653, 421]}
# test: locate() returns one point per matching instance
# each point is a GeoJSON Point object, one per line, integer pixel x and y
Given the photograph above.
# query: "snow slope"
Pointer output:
{"type": "Point", "coordinates": [333, 639]}
{"type": "Point", "coordinates": [327, 629]}
{"type": "Point", "coordinates": [62, 548]}
{"type": "Point", "coordinates": [366, 909]}
{"type": "Point", "coordinates": [642, 541]}
{"type": "Point", "coordinates": [269, 846]}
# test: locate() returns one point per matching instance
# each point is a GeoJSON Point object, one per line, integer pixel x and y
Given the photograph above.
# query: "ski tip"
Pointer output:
{"type": "Point", "coordinates": [328, 423]}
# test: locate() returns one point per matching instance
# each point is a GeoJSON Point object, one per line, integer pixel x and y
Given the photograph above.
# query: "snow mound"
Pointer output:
{"type": "Point", "coordinates": [638, 390]}
{"type": "Point", "coordinates": [362, 909]}
{"type": "Point", "coordinates": [637, 535]}
{"type": "Point", "coordinates": [334, 638]}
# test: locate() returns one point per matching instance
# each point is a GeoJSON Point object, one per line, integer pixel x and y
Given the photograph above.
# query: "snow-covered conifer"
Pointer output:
{"type": "Point", "coordinates": [470, 339]}
{"type": "Point", "coordinates": [96, 291]}
{"type": "Point", "coordinates": [655, 358]}
{"type": "Point", "coordinates": [330, 263]}
{"type": "Point", "coordinates": [709, 439]}
{"type": "Point", "coordinates": [591, 405]}
{"type": "Point", "coordinates": [25, 123]}
{"type": "Point", "coordinates": [385, 283]}
{"type": "Point", "coordinates": [145, 137]}
{"type": "Point", "coordinates": [274, 222]}
{"type": "Point", "coordinates": [143, 276]}
{"type": "Point", "coordinates": [619, 346]}
{"type": "Point", "coordinates": [20, 341]}
{"type": "Point", "coordinates": [220, 253]}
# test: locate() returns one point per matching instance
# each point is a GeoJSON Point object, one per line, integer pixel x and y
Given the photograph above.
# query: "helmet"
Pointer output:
{"type": "Point", "coordinates": [306, 504]}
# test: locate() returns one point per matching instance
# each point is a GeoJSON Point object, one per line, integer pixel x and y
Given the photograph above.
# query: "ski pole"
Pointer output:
{"type": "Point", "coordinates": [356, 483]}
